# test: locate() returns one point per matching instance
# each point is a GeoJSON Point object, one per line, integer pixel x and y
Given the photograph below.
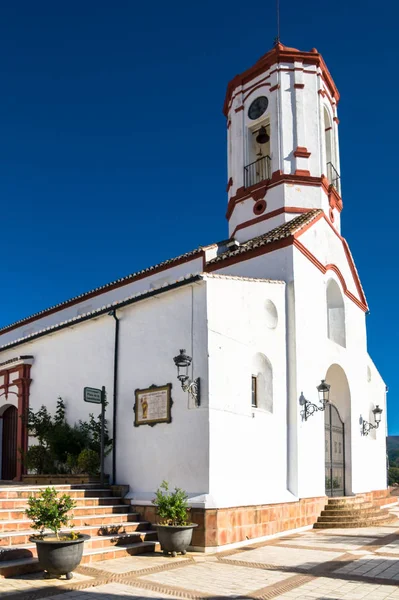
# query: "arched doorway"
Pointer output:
{"type": "Point", "coordinates": [338, 462]}
{"type": "Point", "coordinates": [9, 444]}
{"type": "Point", "coordinates": [334, 430]}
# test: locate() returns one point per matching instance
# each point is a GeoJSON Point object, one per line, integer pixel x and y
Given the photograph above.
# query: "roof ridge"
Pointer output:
{"type": "Point", "coordinates": [101, 288]}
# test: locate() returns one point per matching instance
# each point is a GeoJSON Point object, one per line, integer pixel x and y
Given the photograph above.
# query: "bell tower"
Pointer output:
{"type": "Point", "coordinates": [283, 154]}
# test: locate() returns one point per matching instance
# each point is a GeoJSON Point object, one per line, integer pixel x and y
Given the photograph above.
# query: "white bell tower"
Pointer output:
{"type": "Point", "coordinates": [283, 154]}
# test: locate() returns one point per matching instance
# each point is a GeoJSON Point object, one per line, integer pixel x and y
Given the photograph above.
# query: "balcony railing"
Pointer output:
{"type": "Point", "coordinates": [259, 170]}
{"type": "Point", "coordinates": [333, 177]}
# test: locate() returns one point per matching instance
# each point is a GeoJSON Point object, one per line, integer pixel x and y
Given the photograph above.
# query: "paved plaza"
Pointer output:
{"type": "Point", "coordinates": [344, 564]}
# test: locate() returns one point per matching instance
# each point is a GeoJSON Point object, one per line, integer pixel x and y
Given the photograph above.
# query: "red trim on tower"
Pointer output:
{"type": "Point", "coordinates": [255, 87]}
{"type": "Point", "coordinates": [275, 87]}
{"type": "Point", "coordinates": [299, 86]}
{"type": "Point", "coordinates": [301, 152]}
{"type": "Point", "coordinates": [302, 172]}
{"type": "Point", "coordinates": [336, 120]}
{"type": "Point", "coordinates": [280, 54]}
{"type": "Point", "coordinates": [239, 108]}
{"type": "Point", "coordinates": [229, 184]}
{"type": "Point", "coordinates": [277, 178]}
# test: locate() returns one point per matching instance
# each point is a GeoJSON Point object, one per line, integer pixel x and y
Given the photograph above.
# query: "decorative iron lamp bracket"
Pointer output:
{"type": "Point", "coordinates": [367, 426]}
{"type": "Point", "coordinates": [193, 387]}
{"type": "Point", "coordinates": [308, 407]}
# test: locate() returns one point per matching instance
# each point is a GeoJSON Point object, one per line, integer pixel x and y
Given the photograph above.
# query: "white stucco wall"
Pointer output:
{"type": "Point", "coordinates": [248, 446]}
{"type": "Point", "coordinates": [151, 333]}
{"type": "Point", "coordinates": [315, 355]}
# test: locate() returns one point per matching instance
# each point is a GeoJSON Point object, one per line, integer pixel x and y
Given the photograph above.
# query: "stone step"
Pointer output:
{"type": "Point", "coordinates": [19, 492]}
{"type": "Point", "coordinates": [29, 550]}
{"type": "Point", "coordinates": [352, 523]}
{"type": "Point", "coordinates": [18, 513]}
{"type": "Point", "coordinates": [79, 521]}
{"type": "Point", "coordinates": [31, 565]}
{"type": "Point", "coordinates": [350, 506]}
{"type": "Point", "coordinates": [17, 503]}
{"type": "Point", "coordinates": [346, 500]}
{"type": "Point", "coordinates": [351, 513]}
{"type": "Point", "coordinates": [20, 538]}
{"type": "Point", "coordinates": [354, 517]}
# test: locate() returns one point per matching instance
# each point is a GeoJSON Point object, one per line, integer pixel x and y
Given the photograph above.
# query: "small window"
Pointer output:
{"type": "Point", "coordinates": [254, 394]}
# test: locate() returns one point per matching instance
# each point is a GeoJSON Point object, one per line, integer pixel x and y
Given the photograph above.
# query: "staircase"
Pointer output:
{"type": "Point", "coordinates": [362, 510]}
{"type": "Point", "coordinates": [115, 531]}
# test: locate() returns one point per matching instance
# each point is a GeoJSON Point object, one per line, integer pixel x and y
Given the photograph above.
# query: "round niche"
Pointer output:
{"type": "Point", "coordinates": [271, 314]}
{"type": "Point", "coordinates": [259, 207]}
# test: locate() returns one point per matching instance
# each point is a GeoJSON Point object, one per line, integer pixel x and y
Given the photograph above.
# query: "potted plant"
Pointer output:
{"type": "Point", "coordinates": [174, 531]}
{"type": "Point", "coordinates": [59, 553]}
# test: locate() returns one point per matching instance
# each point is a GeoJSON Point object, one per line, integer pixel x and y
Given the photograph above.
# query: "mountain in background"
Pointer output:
{"type": "Point", "coordinates": [393, 457]}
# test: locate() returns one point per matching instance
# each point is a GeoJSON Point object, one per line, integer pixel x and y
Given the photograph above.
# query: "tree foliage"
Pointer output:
{"type": "Point", "coordinates": [50, 511]}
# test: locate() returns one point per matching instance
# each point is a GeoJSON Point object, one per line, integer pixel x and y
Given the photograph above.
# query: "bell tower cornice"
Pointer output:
{"type": "Point", "coordinates": [280, 54]}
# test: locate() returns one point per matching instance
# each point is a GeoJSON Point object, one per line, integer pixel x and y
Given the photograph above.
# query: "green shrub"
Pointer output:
{"type": "Point", "coordinates": [48, 511]}
{"type": "Point", "coordinates": [172, 507]}
{"type": "Point", "coordinates": [38, 460]}
{"type": "Point", "coordinates": [59, 444]}
{"type": "Point", "coordinates": [89, 462]}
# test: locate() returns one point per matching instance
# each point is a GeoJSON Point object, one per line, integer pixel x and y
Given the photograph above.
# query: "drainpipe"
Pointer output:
{"type": "Point", "coordinates": [115, 389]}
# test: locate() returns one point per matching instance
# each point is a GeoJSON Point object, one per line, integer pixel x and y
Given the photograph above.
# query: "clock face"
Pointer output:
{"type": "Point", "coordinates": [258, 107]}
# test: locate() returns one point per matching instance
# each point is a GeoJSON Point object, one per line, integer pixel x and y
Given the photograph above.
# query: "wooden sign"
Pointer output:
{"type": "Point", "coordinates": [153, 405]}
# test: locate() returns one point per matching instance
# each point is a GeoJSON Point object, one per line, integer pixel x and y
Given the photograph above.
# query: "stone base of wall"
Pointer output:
{"type": "Point", "coordinates": [61, 479]}
{"type": "Point", "coordinates": [222, 526]}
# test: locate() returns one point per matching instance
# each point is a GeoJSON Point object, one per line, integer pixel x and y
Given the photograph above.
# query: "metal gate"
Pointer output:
{"type": "Point", "coordinates": [334, 452]}
{"type": "Point", "coordinates": [9, 444]}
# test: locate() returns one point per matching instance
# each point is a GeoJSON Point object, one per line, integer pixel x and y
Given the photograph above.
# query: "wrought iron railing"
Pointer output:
{"type": "Point", "coordinates": [259, 170]}
{"type": "Point", "coordinates": [333, 177]}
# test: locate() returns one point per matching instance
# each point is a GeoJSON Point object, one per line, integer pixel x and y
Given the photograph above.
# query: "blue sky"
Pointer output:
{"type": "Point", "coordinates": [112, 140]}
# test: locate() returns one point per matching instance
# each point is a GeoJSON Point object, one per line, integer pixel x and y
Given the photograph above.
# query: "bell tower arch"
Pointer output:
{"type": "Point", "coordinates": [282, 130]}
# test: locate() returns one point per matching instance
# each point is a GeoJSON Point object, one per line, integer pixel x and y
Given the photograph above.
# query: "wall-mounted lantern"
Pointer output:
{"type": "Point", "coordinates": [366, 426]}
{"type": "Point", "coordinates": [308, 408]}
{"type": "Point", "coordinates": [183, 362]}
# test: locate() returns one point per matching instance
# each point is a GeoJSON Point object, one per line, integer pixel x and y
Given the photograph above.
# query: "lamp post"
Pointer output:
{"type": "Point", "coordinates": [366, 426]}
{"type": "Point", "coordinates": [308, 407]}
{"type": "Point", "coordinates": [183, 362]}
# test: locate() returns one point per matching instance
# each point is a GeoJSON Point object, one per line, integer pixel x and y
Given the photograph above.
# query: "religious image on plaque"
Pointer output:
{"type": "Point", "coordinates": [153, 405]}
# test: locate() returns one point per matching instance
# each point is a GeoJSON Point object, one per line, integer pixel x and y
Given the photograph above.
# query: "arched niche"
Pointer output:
{"type": "Point", "coordinates": [262, 372]}
{"type": "Point", "coordinates": [336, 329]}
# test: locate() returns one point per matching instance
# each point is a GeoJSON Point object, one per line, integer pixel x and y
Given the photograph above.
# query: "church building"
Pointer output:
{"type": "Point", "coordinates": [238, 371]}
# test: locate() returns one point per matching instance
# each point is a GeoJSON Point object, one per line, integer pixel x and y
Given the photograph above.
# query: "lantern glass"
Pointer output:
{"type": "Point", "coordinates": [182, 362]}
{"type": "Point", "coordinates": [324, 392]}
{"type": "Point", "coordinates": [377, 414]}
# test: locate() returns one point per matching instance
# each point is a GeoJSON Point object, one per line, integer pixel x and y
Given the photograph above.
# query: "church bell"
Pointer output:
{"type": "Point", "coordinates": [263, 137]}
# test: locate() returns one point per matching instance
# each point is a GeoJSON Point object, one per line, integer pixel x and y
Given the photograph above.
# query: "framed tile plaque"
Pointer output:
{"type": "Point", "coordinates": [153, 405]}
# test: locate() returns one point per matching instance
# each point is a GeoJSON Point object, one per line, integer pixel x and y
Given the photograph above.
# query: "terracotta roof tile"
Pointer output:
{"type": "Point", "coordinates": [278, 233]}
